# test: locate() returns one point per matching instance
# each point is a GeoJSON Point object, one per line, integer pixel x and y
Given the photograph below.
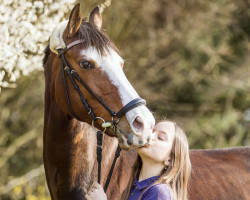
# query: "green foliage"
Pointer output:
{"type": "Point", "coordinates": [21, 127]}
{"type": "Point", "coordinates": [188, 59]}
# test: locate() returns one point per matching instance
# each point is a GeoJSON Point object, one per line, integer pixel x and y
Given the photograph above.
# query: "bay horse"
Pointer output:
{"type": "Point", "coordinates": [69, 143]}
{"type": "Point", "coordinates": [84, 85]}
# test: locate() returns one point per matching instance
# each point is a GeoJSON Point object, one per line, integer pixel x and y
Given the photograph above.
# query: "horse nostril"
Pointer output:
{"type": "Point", "coordinates": [138, 124]}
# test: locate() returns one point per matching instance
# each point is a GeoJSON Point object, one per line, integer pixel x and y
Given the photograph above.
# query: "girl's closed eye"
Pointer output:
{"type": "Point", "coordinates": [162, 136]}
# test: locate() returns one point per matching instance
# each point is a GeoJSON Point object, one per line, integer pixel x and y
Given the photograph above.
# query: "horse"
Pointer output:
{"type": "Point", "coordinates": [70, 141]}
{"type": "Point", "coordinates": [84, 79]}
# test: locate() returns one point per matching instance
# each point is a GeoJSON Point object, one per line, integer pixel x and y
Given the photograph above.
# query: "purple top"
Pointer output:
{"type": "Point", "coordinates": [156, 192]}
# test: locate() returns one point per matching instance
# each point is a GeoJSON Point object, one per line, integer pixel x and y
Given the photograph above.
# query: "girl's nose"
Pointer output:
{"type": "Point", "coordinates": [154, 136]}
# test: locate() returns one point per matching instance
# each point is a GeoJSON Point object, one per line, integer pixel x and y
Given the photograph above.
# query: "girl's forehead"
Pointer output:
{"type": "Point", "coordinates": [165, 127]}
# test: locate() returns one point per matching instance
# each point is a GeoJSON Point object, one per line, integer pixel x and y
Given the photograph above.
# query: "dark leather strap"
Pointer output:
{"type": "Point", "coordinates": [99, 154]}
{"type": "Point", "coordinates": [68, 70]}
{"type": "Point", "coordinates": [112, 113]}
{"type": "Point", "coordinates": [117, 154]}
{"type": "Point", "coordinates": [131, 105]}
{"type": "Point", "coordinates": [66, 91]}
{"type": "Point", "coordinates": [99, 159]}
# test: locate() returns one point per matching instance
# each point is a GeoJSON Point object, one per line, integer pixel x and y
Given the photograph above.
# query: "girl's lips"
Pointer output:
{"type": "Point", "coordinates": [147, 145]}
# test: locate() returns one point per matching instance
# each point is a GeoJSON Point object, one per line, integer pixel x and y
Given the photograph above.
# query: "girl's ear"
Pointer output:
{"type": "Point", "coordinates": [167, 162]}
{"type": "Point", "coordinates": [95, 18]}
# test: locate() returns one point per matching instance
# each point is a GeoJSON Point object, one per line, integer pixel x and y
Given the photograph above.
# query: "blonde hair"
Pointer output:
{"type": "Point", "coordinates": [177, 174]}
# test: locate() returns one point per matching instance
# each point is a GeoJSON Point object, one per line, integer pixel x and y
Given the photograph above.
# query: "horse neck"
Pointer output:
{"type": "Point", "coordinates": [70, 151]}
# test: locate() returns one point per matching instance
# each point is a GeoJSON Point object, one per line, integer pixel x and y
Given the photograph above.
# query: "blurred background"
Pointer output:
{"type": "Point", "coordinates": [190, 59]}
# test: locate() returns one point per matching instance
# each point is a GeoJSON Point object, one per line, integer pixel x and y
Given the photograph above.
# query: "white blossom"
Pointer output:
{"type": "Point", "coordinates": [25, 29]}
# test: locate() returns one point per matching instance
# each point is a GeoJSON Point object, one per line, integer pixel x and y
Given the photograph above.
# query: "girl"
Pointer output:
{"type": "Point", "coordinates": [162, 168]}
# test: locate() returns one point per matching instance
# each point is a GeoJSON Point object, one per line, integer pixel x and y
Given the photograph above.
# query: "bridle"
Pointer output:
{"type": "Point", "coordinates": [66, 67]}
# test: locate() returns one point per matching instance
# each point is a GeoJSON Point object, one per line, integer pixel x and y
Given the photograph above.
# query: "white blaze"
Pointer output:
{"type": "Point", "coordinates": [111, 65]}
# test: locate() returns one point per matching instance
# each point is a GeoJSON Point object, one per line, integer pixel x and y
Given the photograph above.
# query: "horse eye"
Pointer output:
{"type": "Point", "coordinates": [92, 65]}
{"type": "Point", "coordinates": [86, 65]}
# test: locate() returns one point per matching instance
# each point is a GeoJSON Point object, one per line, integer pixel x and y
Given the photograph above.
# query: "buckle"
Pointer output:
{"type": "Point", "coordinates": [93, 124]}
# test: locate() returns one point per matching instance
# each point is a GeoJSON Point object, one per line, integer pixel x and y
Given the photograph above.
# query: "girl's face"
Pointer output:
{"type": "Point", "coordinates": [159, 150]}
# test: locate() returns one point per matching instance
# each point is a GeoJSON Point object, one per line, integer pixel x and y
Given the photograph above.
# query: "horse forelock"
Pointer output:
{"type": "Point", "coordinates": [87, 32]}
{"type": "Point", "coordinates": [95, 38]}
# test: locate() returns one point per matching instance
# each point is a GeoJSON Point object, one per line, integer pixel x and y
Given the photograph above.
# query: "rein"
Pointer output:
{"type": "Point", "coordinates": [66, 67]}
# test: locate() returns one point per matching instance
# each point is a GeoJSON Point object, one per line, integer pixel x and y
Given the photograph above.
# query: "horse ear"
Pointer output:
{"type": "Point", "coordinates": [75, 20]}
{"type": "Point", "coordinates": [95, 17]}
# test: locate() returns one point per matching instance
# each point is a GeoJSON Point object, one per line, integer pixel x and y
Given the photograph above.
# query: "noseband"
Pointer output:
{"type": "Point", "coordinates": [66, 67]}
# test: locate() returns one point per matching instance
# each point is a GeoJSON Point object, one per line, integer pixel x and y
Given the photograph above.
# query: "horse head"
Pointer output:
{"type": "Point", "coordinates": [90, 57]}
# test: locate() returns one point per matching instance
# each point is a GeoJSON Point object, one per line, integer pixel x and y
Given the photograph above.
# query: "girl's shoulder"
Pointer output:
{"type": "Point", "coordinates": [158, 191]}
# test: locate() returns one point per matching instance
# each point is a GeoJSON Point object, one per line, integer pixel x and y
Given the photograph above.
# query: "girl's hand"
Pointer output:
{"type": "Point", "coordinates": [96, 192]}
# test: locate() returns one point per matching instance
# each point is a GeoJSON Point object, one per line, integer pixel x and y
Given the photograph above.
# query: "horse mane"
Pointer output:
{"type": "Point", "coordinates": [46, 52]}
{"type": "Point", "coordinates": [92, 36]}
